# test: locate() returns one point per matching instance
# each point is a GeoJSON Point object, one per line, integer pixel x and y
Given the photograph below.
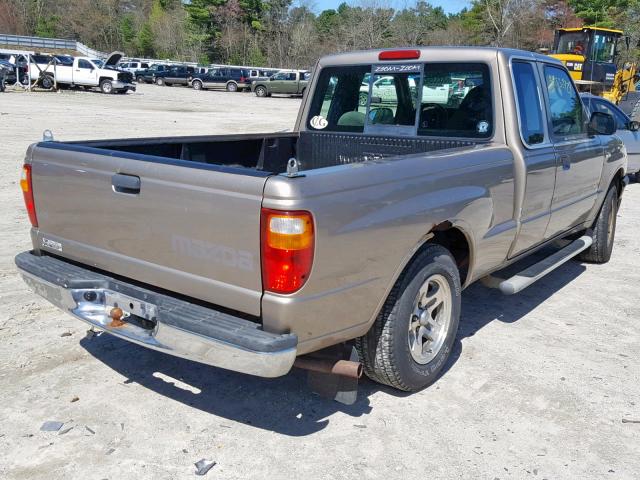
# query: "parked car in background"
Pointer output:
{"type": "Point", "coordinates": [6, 68]}
{"type": "Point", "coordinates": [231, 79]}
{"type": "Point", "coordinates": [82, 73]}
{"type": "Point", "coordinates": [12, 67]}
{"type": "Point", "coordinates": [626, 129]}
{"type": "Point", "coordinates": [282, 83]}
{"type": "Point", "coordinates": [261, 73]}
{"type": "Point", "coordinates": [134, 67]}
{"type": "Point", "coordinates": [149, 75]}
{"type": "Point", "coordinates": [176, 75]}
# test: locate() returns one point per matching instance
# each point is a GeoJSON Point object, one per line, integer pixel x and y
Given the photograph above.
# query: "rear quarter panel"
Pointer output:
{"type": "Point", "coordinates": [371, 218]}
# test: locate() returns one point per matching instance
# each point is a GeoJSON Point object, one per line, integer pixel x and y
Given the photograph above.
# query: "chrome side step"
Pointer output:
{"type": "Point", "coordinates": [535, 272]}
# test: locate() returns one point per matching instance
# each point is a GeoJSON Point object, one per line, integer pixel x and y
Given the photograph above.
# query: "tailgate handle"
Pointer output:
{"type": "Point", "coordinates": [129, 184]}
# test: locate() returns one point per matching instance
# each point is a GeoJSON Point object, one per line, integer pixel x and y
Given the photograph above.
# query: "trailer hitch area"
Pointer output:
{"type": "Point", "coordinates": [333, 372]}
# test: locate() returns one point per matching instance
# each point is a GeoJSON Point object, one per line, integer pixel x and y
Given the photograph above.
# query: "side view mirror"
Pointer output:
{"type": "Point", "coordinates": [602, 124]}
{"type": "Point", "coordinates": [633, 126]}
{"type": "Point", "coordinates": [376, 100]}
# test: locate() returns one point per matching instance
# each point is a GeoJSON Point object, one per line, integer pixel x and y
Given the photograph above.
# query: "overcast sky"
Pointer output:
{"type": "Point", "coordinates": [449, 6]}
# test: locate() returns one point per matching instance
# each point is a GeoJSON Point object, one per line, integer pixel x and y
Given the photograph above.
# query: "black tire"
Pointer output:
{"type": "Point", "coordinates": [384, 350]}
{"type": "Point", "coordinates": [160, 81]}
{"type": "Point", "coordinates": [261, 91]}
{"type": "Point", "coordinates": [2, 84]}
{"type": "Point", "coordinates": [197, 85]}
{"type": "Point", "coordinates": [47, 82]}
{"type": "Point", "coordinates": [232, 87]}
{"type": "Point", "coordinates": [106, 87]}
{"type": "Point", "coordinates": [140, 79]}
{"type": "Point", "coordinates": [604, 230]}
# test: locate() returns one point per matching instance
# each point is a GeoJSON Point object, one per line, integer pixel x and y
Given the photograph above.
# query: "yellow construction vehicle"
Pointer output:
{"type": "Point", "coordinates": [592, 56]}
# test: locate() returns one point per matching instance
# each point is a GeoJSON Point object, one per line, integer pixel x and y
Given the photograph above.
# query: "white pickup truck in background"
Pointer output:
{"type": "Point", "coordinates": [84, 72]}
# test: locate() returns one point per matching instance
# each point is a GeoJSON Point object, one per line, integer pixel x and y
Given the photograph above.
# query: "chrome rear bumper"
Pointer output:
{"type": "Point", "coordinates": [159, 321]}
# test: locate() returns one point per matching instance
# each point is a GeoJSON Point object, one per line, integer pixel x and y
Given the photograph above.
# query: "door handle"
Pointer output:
{"type": "Point", "coordinates": [128, 184]}
{"type": "Point", "coordinates": [566, 162]}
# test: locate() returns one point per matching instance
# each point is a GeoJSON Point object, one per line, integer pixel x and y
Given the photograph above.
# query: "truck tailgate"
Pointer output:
{"type": "Point", "coordinates": [186, 227]}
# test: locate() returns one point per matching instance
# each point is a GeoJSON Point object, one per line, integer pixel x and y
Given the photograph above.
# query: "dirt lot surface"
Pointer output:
{"type": "Point", "coordinates": [545, 384]}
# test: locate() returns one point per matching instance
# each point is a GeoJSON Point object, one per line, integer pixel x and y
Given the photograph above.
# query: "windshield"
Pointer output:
{"type": "Point", "coordinates": [574, 43]}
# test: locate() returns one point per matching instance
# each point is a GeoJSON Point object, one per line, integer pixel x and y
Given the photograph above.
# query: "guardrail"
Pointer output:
{"type": "Point", "coordinates": [50, 43]}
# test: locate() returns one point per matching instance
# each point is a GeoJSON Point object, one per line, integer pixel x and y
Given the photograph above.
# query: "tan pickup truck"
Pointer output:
{"type": "Point", "coordinates": [362, 227]}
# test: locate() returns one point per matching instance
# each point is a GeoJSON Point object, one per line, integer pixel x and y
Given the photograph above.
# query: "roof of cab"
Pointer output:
{"type": "Point", "coordinates": [434, 54]}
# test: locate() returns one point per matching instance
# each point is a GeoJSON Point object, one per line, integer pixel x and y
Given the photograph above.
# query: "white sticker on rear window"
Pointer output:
{"type": "Point", "coordinates": [319, 122]}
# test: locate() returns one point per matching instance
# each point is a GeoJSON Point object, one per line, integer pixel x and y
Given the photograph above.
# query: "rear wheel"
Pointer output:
{"type": "Point", "coordinates": [604, 230]}
{"type": "Point", "coordinates": [197, 85]}
{"type": "Point", "coordinates": [47, 82]}
{"type": "Point", "coordinates": [261, 91]}
{"type": "Point", "coordinates": [106, 86]}
{"type": "Point", "coordinates": [413, 336]}
{"type": "Point", "coordinates": [232, 87]}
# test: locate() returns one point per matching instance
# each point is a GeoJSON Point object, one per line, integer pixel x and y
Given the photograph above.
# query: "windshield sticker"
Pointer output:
{"type": "Point", "coordinates": [319, 122]}
{"type": "Point", "coordinates": [482, 127]}
{"type": "Point", "coordinates": [396, 68]}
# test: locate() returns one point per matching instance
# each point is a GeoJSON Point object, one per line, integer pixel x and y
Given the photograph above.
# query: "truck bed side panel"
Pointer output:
{"type": "Point", "coordinates": [371, 217]}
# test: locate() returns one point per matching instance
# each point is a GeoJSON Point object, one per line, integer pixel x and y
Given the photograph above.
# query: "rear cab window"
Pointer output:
{"type": "Point", "coordinates": [413, 99]}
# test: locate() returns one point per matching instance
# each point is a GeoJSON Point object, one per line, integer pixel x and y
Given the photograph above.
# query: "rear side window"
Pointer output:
{"type": "Point", "coordinates": [529, 106]}
{"type": "Point", "coordinates": [456, 101]}
{"type": "Point", "coordinates": [567, 114]}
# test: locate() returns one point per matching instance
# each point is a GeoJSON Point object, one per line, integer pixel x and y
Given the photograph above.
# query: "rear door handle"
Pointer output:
{"type": "Point", "coordinates": [566, 162]}
{"type": "Point", "coordinates": [129, 184]}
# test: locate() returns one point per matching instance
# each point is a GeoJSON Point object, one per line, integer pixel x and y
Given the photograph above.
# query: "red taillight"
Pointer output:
{"type": "Point", "coordinates": [399, 55]}
{"type": "Point", "coordinates": [287, 240]}
{"type": "Point", "coordinates": [27, 192]}
{"type": "Point", "coordinates": [242, 79]}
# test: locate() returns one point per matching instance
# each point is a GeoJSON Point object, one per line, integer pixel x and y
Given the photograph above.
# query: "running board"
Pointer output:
{"type": "Point", "coordinates": [535, 272]}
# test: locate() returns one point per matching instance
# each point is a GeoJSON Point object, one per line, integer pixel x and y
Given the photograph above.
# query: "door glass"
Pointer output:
{"type": "Point", "coordinates": [84, 64]}
{"type": "Point", "coordinates": [528, 97]}
{"type": "Point", "coordinates": [567, 114]}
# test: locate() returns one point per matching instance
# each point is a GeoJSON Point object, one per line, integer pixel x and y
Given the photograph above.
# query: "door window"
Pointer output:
{"type": "Point", "coordinates": [565, 107]}
{"type": "Point", "coordinates": [85, 64]}
{"type": "Point", "coordinates": [529, 106]}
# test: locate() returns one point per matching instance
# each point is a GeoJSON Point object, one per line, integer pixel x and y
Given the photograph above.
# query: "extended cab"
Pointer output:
{"type": "Point", "coordinates": [82, 72]}
{"type": "Point", "coordinates": [362, 226]}
{"type": "Point", "coordinates": [282, 83]}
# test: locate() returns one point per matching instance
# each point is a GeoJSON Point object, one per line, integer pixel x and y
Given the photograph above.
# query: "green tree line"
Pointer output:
{"type": "Point", "coordinates": [286, 34]}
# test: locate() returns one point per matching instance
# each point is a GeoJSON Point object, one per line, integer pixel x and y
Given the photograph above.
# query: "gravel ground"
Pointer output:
{"type": "Point", "coordinates": [544, 384]}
